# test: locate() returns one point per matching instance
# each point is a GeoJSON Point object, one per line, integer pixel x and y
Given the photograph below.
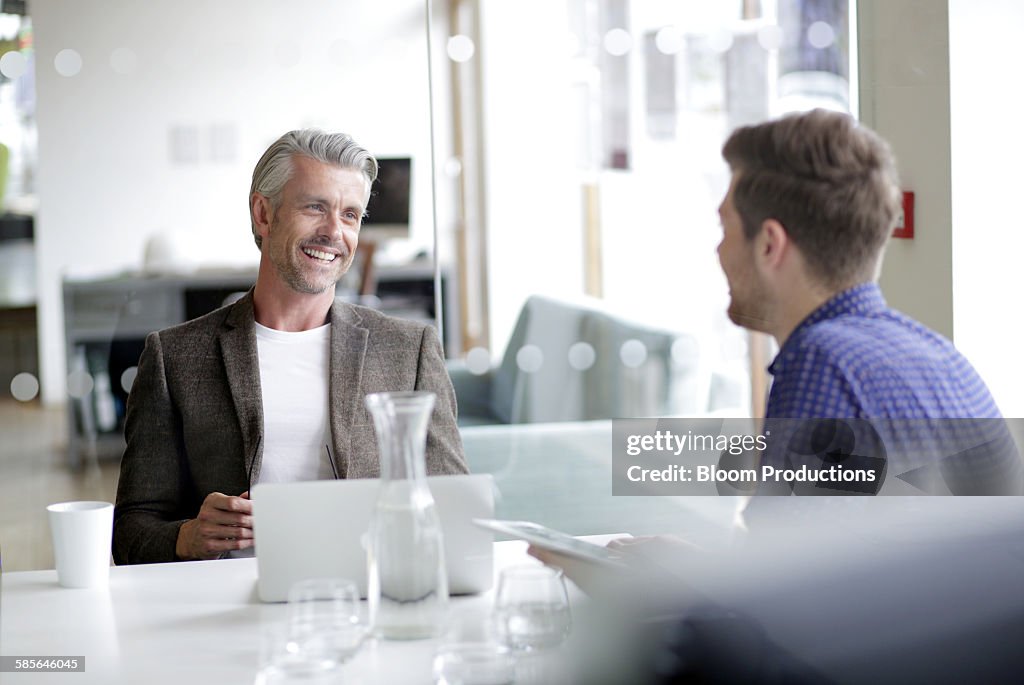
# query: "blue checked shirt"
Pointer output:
{"type": "Point", "coordinates": [905, 396]}
{"type": "Point", "coordinates": [854, 357]}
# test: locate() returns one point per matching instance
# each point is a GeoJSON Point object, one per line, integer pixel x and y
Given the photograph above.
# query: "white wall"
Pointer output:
{"type": "Point", "coordinates": [904, 96]}
{"type": "Point", "coordinates": [945, 95]}
{"type": "Point", "coordinates": [987, 106]}
{"type": "Point", "coordinates": [258, 68]}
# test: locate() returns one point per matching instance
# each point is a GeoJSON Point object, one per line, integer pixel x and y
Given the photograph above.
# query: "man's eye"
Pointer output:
{"type": "Point", "coordinates": [316, 207]}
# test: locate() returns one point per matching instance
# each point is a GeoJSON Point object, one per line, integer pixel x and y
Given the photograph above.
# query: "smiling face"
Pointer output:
{"type": "Point", "coordinates": [311, 236]}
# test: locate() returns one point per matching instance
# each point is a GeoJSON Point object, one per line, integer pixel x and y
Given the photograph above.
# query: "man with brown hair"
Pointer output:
{"type": "Point", "coordinates": [811, 203]}
{"type": "Point", "coordinates": [813, 199]}
{"type": "Point", "coordinates": [856, 384]}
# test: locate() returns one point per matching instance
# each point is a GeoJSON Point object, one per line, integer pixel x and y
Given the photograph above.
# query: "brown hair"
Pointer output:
{"type": "Point", "coordinates": [829, 181]}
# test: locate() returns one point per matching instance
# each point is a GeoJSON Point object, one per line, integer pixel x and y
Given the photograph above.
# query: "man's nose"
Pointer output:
{"type": "Point", "coordinates": [332, 227]}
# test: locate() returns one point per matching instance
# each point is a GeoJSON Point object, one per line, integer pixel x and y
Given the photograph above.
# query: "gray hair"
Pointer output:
{"type": "Point", "coordinates": [275, 166]}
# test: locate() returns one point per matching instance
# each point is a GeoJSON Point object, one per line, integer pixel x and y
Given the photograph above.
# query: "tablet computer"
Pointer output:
{"type": "Point", "coordinates": [553, 540]}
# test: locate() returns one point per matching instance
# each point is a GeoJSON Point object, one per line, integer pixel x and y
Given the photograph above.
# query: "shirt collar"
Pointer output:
{"type": "Point", "coordinates": [860, 299]}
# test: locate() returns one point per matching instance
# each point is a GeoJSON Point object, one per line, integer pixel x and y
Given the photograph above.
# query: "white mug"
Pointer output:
{"type": "Point", "coordinates": [81, 542]}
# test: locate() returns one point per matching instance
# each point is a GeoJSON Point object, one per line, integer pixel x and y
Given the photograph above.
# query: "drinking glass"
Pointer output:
{"type": "Point", "coordinates": [474, 663]}
{"type": "Point", "coordinates": [282, 661]}
{"type": "Point", "coordinates": [469, 651]}
{"type": "Point", "coordinates": [531, 608]}
{"type": "Point", "coordinates": [323, 619]}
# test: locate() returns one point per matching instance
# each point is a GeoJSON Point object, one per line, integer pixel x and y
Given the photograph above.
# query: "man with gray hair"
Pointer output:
{"type": "Point", "coordinates": [271, 388]}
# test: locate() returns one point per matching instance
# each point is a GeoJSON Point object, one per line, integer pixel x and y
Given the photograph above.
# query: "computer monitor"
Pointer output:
{"type": "Point", "coordinates": [387, 213]}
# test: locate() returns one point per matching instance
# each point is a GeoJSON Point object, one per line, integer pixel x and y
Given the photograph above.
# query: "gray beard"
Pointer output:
{"type": "Point", "coordinates": [296, 280]}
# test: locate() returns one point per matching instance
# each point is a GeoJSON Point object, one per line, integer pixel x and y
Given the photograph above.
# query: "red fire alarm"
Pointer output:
{"type": "Point", "coordinates": [905, 225]}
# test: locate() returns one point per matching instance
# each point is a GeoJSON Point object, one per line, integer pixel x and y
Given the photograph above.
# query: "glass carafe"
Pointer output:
{"type": "Point", "coordinates": [408, 586]}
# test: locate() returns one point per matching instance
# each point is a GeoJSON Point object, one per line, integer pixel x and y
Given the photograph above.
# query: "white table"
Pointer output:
{"type": "Point", "coordinates": [194, 622]}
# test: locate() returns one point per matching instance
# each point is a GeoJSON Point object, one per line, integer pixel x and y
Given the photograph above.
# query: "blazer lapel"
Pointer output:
{"type": "Point", "coordinates": [348, 351]}
{"type": "Point", "coordinates": [241, 362]}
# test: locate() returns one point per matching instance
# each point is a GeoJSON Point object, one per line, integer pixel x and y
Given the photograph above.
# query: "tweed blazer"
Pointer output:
{"type": "Point", "coordinates": [195, 415]}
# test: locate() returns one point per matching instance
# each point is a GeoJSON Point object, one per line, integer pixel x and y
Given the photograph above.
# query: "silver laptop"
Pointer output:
{"type": "Point", "coordinates": [319, 529]}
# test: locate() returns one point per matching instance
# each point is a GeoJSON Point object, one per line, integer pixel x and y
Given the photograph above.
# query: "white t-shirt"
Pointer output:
{"type": "Point", "coordinates": [294, 373]}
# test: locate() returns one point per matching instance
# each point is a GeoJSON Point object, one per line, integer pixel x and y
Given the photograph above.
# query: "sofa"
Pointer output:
{"type": "Point", "coordinates": [631, 369]}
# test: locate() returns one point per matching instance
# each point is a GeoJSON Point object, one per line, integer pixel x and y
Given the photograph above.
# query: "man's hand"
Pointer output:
{"type": "Point", "coordinates": [641, 556]}
{"type": "Point", "coordinates": [661, 550]}
{"type": "Point", "coordinates": [224, 524]}
{"type": "Point", "coordinates": [589, 576]}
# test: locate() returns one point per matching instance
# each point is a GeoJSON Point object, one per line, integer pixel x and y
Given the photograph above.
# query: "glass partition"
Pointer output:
{"type": "Point", "coordinates": [586, 170]}
{"type": "Point", "coordinates": [574, 180]}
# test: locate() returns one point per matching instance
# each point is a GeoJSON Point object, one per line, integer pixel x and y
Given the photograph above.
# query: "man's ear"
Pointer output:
{"type": "Point", "coordinates": [262, 213]}
{"type": "Point", "coordinates": [772, 244]}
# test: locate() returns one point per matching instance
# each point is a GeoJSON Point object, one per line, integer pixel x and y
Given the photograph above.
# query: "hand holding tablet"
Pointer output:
{"type": "Point", "coordinates": [554, 541]}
